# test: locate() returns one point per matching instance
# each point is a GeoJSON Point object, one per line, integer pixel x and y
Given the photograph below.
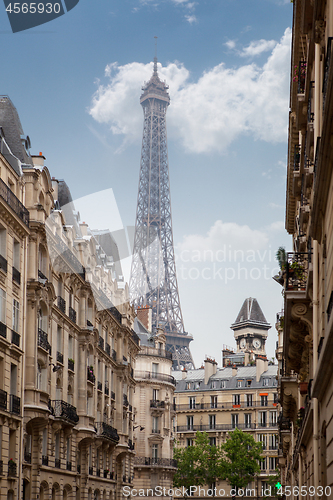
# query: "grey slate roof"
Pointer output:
{"type": "Point", "coordinates": [14, 137]}
{"type": "Point", "coordinates": [250, 314]}
{"type": "Point", "coordinates": [143, 334]}
{"type": "Point", "coordinates": [197, 377]}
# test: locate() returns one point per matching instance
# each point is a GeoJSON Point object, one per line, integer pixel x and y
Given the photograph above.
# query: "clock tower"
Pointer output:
{"type": "Point", "coordinates": [250, 328]}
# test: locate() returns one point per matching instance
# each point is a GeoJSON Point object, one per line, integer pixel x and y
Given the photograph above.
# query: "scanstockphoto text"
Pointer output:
{"type": "Point", "coordinates": [160, 491]}
{"type": "Point", "coordinates": [226, 264]}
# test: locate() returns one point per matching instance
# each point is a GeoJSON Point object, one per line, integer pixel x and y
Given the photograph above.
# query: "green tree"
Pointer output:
{"type": "Point", "coordinates": [199, 464]}
{"type": "Point", "coordinates": [241, 459]}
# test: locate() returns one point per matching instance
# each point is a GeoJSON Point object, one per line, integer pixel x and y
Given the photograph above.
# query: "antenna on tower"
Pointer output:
{"type": "Point", "coordinates": [155, 58]}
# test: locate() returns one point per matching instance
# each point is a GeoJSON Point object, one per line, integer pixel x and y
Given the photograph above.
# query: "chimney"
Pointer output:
{"type": "Point", "coordinates": [261, 366]}
{"type": "Point", "coordinates": [210, 368]}
{"type": "Point", "coordinates": [144, 315]}
{"type": "Point", "coordinates": [38, 160]}
{"type": "Point", "coordinates": [184, 374]}
{"type": "Point", "coordinates": [84, 229]}
{"type": "Point", "coordinates": [234, 371]}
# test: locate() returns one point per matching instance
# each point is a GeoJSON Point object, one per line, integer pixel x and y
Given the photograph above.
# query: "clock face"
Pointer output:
{"type": "Point", "coordinates": [256, 343]}
{"type": "Point", "coordinates": [242, 343]}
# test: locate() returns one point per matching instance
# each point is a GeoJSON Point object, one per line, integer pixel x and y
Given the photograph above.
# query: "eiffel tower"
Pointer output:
{"type": "Point", "coordinates": [153, 280]}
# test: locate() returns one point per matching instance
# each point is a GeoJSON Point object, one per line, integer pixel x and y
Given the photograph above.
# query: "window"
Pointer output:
{"type": "Point", "coordinates": [190, 423]}
{"type": "Point", "coordinates": [196, 385]}
{"type": "Point", "coordinates": [222, 384]}
{"type": "Point", "coordinates": [236, 399]}
{"type": "Point", "coordinates": [188, 385]}
{"type": "Point", "coordinates": [263, 400]}
{"type": "Point", "coordinates": [212, 421]}
{"type": "Point", "coordinates": [212, 441]}
{"type": "Point", "coordinates": [234, 420]}
{"type": "Point", "coordinates": [213, 401]}
{"type": "Point", "coordinates": [263, 463]}
{"type": "Point", "coordinates": [248, 383]}
{"type": "Point", "coordinates": [155, 425]}
{"type": "Point", "coordinates": [273, 441]}
{"type": "Point", "coordinates": [248, 399]}
{"type": "Point", "coordinates": [16, 313]}
{"type": "Point", "coordinates": [247, 420]}
{"type": "Point", "coordinates": [262, 438]}
{"type": "Point", "coordinates": [3, 244]}
{"type": "Point", "coordinates": [2, 306]}
{"type": "Point", "coordinates": [154, 451]}
{"type": "Point", "coordinates": [154, 370]}
{"type": "Point", "coordinates": [239, 383]}
{"type": "Point", "coordinates": [57, 446]}
{"type": "Point", "coordinates": [272, 418]}
{"type": "Point", "coordinates": [16, 255]}
{"type": "Point", "coordinates": [265, 381]}
{"type": "Point", "coordinates": [214, 384]}
{"type": "Point", "coordinates": [189, 442]}
{"type": "Point", "coordinates": [191, 402]}
{"type": "Point", "coordinates": [276, 397]}
{"type": "Point", "coordinates": [272, 463]}
{"type": "Point", "coordinates": [262, 418]}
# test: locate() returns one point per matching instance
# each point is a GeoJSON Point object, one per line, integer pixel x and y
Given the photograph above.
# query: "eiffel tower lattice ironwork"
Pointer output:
{"type": "Point", "coordinates": [153, 274]}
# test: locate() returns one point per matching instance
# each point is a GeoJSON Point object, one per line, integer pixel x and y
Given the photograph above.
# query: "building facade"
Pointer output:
{"type": "Point", "coordinates": [306, 373]}
{"type": "Point", "coordinates": [242, 394]}
{"type": "Point", "coordinates": [153, 400]}
{"type": "Point", "coordinates": [68, 363]}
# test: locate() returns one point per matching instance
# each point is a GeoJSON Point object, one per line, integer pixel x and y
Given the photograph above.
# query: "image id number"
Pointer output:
{"type": "Point", "coordinates": [303, 491]}
{"type": "Point", "coordinates": [33, 8]}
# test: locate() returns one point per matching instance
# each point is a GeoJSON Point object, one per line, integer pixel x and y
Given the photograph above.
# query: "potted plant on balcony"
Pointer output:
{"type": "Point", "coordinates": [281, 257]}
{"type": "Point", "coordinates": [297, 269]}
{"type": "Point", "coordinates": [106, 472]}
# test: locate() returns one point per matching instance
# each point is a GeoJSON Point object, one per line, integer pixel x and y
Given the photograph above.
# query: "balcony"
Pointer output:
{"type": "Point", "coordinates": [57, 463]}
{"type": "Point", "coordinates": [224, 405]}
{"type": "Point", "coordinates": [65, 411]}
{"type": "Point", "coordinates": [43, 341]}
{"type": "Point", "coordinates": [3, 330]}
{"type": "Point", "coordinates": [14, 404]}
{"type": "Point", "coordinates": [162, 462]}
{"type": "Point", "coordinates": [157, 404]}
{"type": "Point", "coordinates": [106, 389]}
{"type": "Point", "coordinates": [101, 343]}
{"type": "Point", "coordinates": [12, 468]}
{"type": "Point", "coordinates": [151, 351]}
{"type": "Point", "coordinates": [155, 431]}
{"type": "Point", "coordinates": [113, 395]}
{"type": "Point", "coordinates": [69, 466]}
{"type": "Point", "coordinates": [125, 400]}
{"type": "Point", "coordinates": [327, 67]}
{"type": "Point", "coordinates": [15, 338]}
{"type": "Point", "coordinates": [155, 376]}
{"type": "Point", "coordinates": [27, 457]}
{"type": "Point", "coordinates": [72, 314]}
{"type": "Point", "coordinates": [99, 386]}
{"type": "Point", "coordinates": [116, 314]}
{"type": "Point", "coordinates": [16, 276]}
{"type": "Point", "coordinates": [114, 355]}
{"type": "Point", "coordinates": [90, 374]}
{"type": "Point", "coordinates": [3, 400]}
{"type": "Point", "coordinates": [3, 264]}
{"type": "Point", "coordinates": [91, 471]}
{"type": "Point", "coordinates": [45, 460]}
{"type": "Point", "coordinates": [61, 304]}
{"type": "Point", "coordinates": [107, 431]}
{"type": "Point", "coordinates": [14, 203]}
{"type": "Point", "coordinates": [297, 270]}
{"type": "Point", "coordinates": [218, 427]}
{"type": "Point", "coordinates": [60, 357]}
{"type": "Point", "coordinates": [71, 364]}
{"type": "Point", "coordinates": [300, 74]}
{"type": "Point", "coordinates": [107, 349]}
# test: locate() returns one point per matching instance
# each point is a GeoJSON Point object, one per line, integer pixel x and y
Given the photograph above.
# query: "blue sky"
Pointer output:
{"type": "Point", "coordinates": [76, 83]}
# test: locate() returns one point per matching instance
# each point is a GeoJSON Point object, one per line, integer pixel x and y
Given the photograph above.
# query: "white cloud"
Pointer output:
{"type": "Point", "coordinates": [209, 114]}
{"type": "Point", "coordinates": [220, 237]}
{"type": "Point", "coordinates": [257, 47]}
{"type": "Point", "coordinates": [231, 44]}
{"type": "Point", "coordinates": [191, 19]}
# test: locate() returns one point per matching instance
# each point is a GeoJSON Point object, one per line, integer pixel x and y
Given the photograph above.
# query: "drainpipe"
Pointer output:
{"type": "Point", "coordinates": [315, 362]}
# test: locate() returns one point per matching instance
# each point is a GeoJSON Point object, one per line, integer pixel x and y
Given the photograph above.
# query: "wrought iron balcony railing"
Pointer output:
{"type": "Point", "coordinates": [12, 468]}
{"type": "Point", "coordinates": [116, 314]}
{"type": "Point", "coordinates": [3, 400]}
{"type": "Point", "coordinates": [328, 59]}
{"type": "Point", "coordinates": [114, 355]}
{"type": "Point", "coordinates": [65, 411]}
{"type": "Point", "coordinates": [99, 386]}
{"type": "Point", "coordinates": [57, 463]}
{"type": "Point", "coordinates": [14, 404]}
{"type": "Point", "coordinates": [151, 351]}
{"type": "Point", "coordinates": [45, 460]}
{"type": "Point", "coordinates": [43, 340]}
{"type": "Point", "coordinates": [3, 264]}
{"type": "Point", "coordinates": [223, 427]}
{"type": "Point", "coordinates": [14, 203]}
{"type": "Point", "coordinates": [3, 330]}
{"type": "Point", "coordinates": [113, 395]}
{"type": "Point", "coordinates": [101, 343]}
{"type": "Point", "coordinates": [72, 314]}
{"type": "Point", "coordinates": [27, 457]}
{"type": "Point", "coordinates": [71, 364]}
{"type": "Point", "coordinates": [125, 400]}
{"type": "Point", "coordinates": [297, 270]}
{"type": "Point", "coordinates": [297, 157]}
{"type": "Point", "coordinates": [16, 276]}
{"type": "Point", "coordinates": [157, 404]}
{"type": "Point", "coordinates": [90, 375]}
{"type": "Point", "coordinates": [15, 338]}
{"type": "Point", "coordinates": [61, 304]}
{"type": "Point", "coordinates": [107, 431]}
{"type": "Point", "coordinates": [60, 357]}
{"type": "Point", "coordinates": [162, 462]}
{"type": "Point", "coordinates": [155, 376]}
{"type": "Point", "coordinates": [107, 349]}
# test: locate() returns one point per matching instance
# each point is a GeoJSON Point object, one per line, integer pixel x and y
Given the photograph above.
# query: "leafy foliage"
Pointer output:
{"type": "Point", "coordinates": [241, 456]}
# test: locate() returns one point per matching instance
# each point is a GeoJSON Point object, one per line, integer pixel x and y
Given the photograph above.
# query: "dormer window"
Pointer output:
{"type": "Point", "coordinates": [265, 381]}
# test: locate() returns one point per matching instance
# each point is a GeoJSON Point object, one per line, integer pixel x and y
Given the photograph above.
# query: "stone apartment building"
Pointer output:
{"type": "Point", "coordinates": [306, 346]}
{"type": "Point", "coordinates": [153, 400]}
{"type": "Point", "coordinates": [67, 346]}
{"type": "Point", "coordinates": [242, 393]}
